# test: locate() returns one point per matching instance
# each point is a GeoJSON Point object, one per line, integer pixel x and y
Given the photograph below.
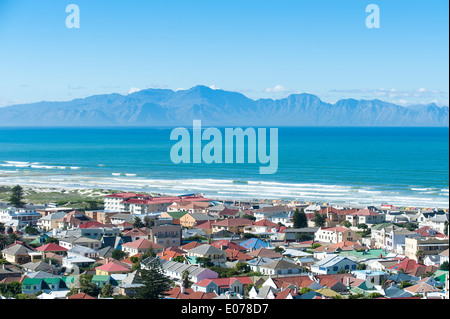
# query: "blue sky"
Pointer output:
{"type": "Point", "coordinates": [263, 49]}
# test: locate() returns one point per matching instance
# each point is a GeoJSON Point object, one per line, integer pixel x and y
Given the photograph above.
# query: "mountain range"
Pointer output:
{"type": "Point", "coordinates": [163, 107]}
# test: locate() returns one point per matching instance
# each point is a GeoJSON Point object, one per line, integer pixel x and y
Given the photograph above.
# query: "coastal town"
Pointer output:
{"type": "Point", "coordinates": [141, 246]}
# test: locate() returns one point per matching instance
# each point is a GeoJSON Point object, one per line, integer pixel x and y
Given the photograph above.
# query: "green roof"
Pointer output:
{"type": "Point", "coordinates": [366, 286]}
{"type": "Point", "coordinates": [67, 279]}
{"type": "Point", "coordinates": [32, 281]}
{"type": "Point", "coordinates": [440, 275]}
{"type": "Point", "coordinates": [102, 278]}
{"type": "Point", "coordinates": [52, 280]}
{"type": "Point", "coordinates": [177, 215]}
{"type": "Point", "coordinates": [371, 253]}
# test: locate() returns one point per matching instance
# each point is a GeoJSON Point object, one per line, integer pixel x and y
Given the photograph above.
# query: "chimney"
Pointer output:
{"type": "Point", "coordinates": [348, 281]}
{"type": "Point", "coordinates": [182, 289]}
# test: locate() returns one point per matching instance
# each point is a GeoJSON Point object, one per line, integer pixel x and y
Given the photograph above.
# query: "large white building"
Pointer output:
{"type": "Point", "coordinates": [25, 216]}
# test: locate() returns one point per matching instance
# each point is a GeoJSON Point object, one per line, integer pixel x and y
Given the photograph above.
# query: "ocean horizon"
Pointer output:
{"type": "Point", "coordinates": [402, 166]}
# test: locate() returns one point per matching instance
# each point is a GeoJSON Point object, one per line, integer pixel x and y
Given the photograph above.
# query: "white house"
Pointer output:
{"type": "Point", "coordinates": [332, 265]}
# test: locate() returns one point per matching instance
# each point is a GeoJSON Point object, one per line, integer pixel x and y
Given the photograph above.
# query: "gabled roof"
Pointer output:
{"type": "Point", "coordinates": [225, 244]}
{"type": "Point", "coordinates": [114, 266]}
{"type": "Point", "coordinates": [421, 288]}
{"type": "Point", "coordinates": [17, 249]}
{"type": "Point", "coordinates": [190, 245]}
{"type": "Point", "coordinates": [264, 252]}
{"type": "Point", "coordinates": [51, 247]}
{"type": "Point", "coordinates": [206, 249]}
{"type": "Point", "coordinates": [81, 295]}
{"type": "Point", "coordinates": [254, 243]}
{"type": "Point", "coordinates": [230, 222]}
{"type": "Point", "coordinates": [142, 243]}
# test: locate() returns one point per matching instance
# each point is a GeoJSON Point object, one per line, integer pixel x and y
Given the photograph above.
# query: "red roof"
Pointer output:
{"type": "Point", "coordinates": [265, 222]}
{"type": "Point", "coordinates": [51, 247]}
{"type": "Point", "coordinates": [81, 295]}
{"type": "Point", "coordinates": [142, 243]}
{"type": "Point", "coordinates": [234, 222]}
{"type": "Point", "coordinates": [93, 224]}
{"type": "Point", "coordinates": [224, 244]}
{"type": "Point", "coordinates": [190, 245]}
{"type": "Point", "coordinates": [113, 266]}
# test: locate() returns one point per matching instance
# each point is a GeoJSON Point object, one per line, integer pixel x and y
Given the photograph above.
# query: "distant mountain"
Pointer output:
{"type": "Point", "coordinates": [155, 107]}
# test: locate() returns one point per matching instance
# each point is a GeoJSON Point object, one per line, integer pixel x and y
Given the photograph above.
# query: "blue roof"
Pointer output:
{"type": "Point", "coordinates": [254, 243]}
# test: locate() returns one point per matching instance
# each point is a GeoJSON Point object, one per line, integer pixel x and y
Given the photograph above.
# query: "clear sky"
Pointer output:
{"type": "Point", "coordinates": [260, 48]}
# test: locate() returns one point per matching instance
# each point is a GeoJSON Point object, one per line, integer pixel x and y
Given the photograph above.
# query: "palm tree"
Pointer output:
{"type": "Point", "coordinates": [420, 254]}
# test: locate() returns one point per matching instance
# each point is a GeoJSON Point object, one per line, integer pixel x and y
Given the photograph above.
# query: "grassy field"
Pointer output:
{"type": "Point", "coordinates": [76, 198]}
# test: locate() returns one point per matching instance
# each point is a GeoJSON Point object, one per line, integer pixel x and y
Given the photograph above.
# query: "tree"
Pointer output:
{"type": "Point", "coordinates": [137, 223]}
{"type": "Point", "coordinates": [30, 230]}
{"type": "Point", "coordinates": [49, 240]}
{"type": "Point", "coordinates": [319, 219]}
{"type": "Point", "coordinates": [86, 286]}
{"type": "Point", "coordinates": [299, 219]}
{"type": "Point", "coordinates": [420, 254]}
{"type": "Point", "coordinates": [118, 254]}
{"type": "Point", "coordinates": [444, 266]}
{"type": "Point", "coordinates": [148, 222]}
{"type": "Point", "coordinates": [16, 198]}
{"type": "Point", "coordinates": [154, 282]}
{"type": "Point", "coordinates": [185, 279]}
{"type": "Point", "coordinates": [107, 290]}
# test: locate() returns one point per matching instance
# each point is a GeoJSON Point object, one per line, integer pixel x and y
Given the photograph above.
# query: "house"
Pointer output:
{"type": "Point", "coordinates": [421, 288]}
{"type": "Point", "coordinates": [233, 225]}
{"type": "Point", "coordinates": [26, 216]}
{"type": "Point", "coordinates": [72, 241]}
{"type": "Point", "coordinates": [282, 212]}
{"type": "Point", "coordinates": [128, 286]}
{"type": "Point", "coordinates": [83, 251]}
{"type": "Point", "coordinates": [222, 285]}
{"type": "Point", "coordinates": [50, 221]}
{"type": "Point", "coordinates": [19, 254]}
{"type": "Point", "coordinates": [41, 266]}
{"type": "Point", "coordinates": [261, 226]}
{"type": "Point", "coordinates": [81, 295]}
{"type": "Point", "coordinates": [175, 270]}
{"type": "Point", "coordinates": [334, 235]}
{"type": "Point", "coordinates": [9, 271]}
{"type": "Point", "coordinates": [192, 220]}
{"type": "Point", "coordinates": [265, 292]}
{"type": "Point", "coordinates": [52, 248]}
{"type": "Point", "coordinates": [254, 244]}
{"type": "Point", "coordinates": [113, 267]}
{"type": "Point", "coordinates": [237, 255]}
{"type": "Point", "coordinates": [434, 219]}
{"type": "Point", "coordinates": [264, 252]}
{"type": "Point", "coordinates": [365, 216]}
{"type": "Point", "coordinates": [101, 280]}
{"type": "Point", "coordinates": [256, 263]}
{"type": "Point", "coordinates": [208, 251]}
{"type": "Point", "coordinates": [299, 234]}
{"type": "Point", "coordinates": [206, 227]}
{"type": "Point", "coordinates": [190, 207]}
{"type": "Point", "coordinates": [141, 246]}
{"type": "Point", "coordinates": [73, 219]}
{"type": "Point", "coordinates": [427, 245]}
{"type": "Point", "coordinates": [143, 204]}
{"type": "Point", "coordinates": [165, 233]}
{"type": "Point", "coordinates": [332, 265]}
{"type": "Point", "coordinates": [75, 260]}
{"type": "Point", "coordinates": [389, 237]}
{"type": "Point", "coordinates": [280, 267]}
{"type": "Point", "coordinates": [374, 277]}
{"type": "Point", "coordinates": [101, 216]}
{"type": "Point", "coordinates": [189, 293]}
{"type": "Point", "coordinates": [227, 244]}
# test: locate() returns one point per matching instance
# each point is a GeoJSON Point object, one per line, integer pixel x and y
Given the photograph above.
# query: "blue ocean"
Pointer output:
{"type": "Point", "coordinates": [353, 165]}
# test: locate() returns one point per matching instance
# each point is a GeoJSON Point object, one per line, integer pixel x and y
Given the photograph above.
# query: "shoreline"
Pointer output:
{"type": "Point", "coordinates": [97, 194]}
